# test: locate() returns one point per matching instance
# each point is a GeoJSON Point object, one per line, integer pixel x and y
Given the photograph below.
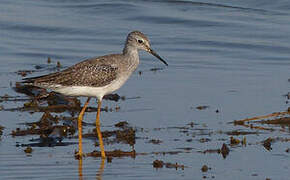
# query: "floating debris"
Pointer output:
{"type": "Point", "coordinates": [115, 153]}
{"type": "Point", "coordinates": [160, 164]}
{"type": "Point", "coordinates": [78, 156]}
{"type": "Point", "coordinates": [109, 159]}
{"type": "Point", "coordinates": [287, 95]}
{"type": "Point", "coordinates": [127, 135]}
{"type": "Point", "coordinates": [225, 151]}
{"type": "Point", "coordinates": [192, 124]}
{"type": "Point", "coordinates": [5, 97]}
{"type": "Point", "coordinates": [50, 133]}
{"type": "Point", "coordinates": [204, 168]}
{"type": "Point", "coordinates": [202, 107]}
{"type": "Point", "coordinates": [238, 133]}
{"type": "Point", "coordinates": [58, 65]}
{"type": "Point", "coordinates": [234, 141]}
{"type": "Point", "coordinates": [1, 130]}
{"type": "Point", "coordinates": [28, 150]}
{"type": "Point", "coordinates": [284, 120]}
{"type": "Point", "coordinates": [211, 151]}
{"type": "Point", "coordinates": [122, 124]}
{"type": "Point", "coordinates": [275, 114]}
{"type": "Point", "coordinates": [117, 108]}
{"type": "Point", "coordinates": [244, 141]}
{"type": "Point", "coordinates": [203, 140]}
{"type": "Point", "coordinates": [268, 143]}
{"type": "Point", "coordinates": [155, 141]}
{"type": "Point", "coordinates": [30, 104]}
{"type": "Point", "coordinates": [176, 166]}
{"type": "Point", "coordinates": [30, 90]}
{"type": "Point", "coordinates": [48, 60]}
{"type": "Point", "coordinates": [38, 67]}
{"type": "Point", "coordinates": [156, 69]}
{"type": "Point", "coordinates": [167, 152]}
{"type": "Point", "coordinates": [112, 97]}
{"type": "Point", "coordinates": [24, 73]}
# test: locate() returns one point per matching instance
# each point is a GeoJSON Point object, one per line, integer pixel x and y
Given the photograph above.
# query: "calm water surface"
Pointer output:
{"type": "Point", "coordinates": [233, 56]}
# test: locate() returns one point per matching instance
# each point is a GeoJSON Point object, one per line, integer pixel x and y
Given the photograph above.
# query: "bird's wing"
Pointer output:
{"type": "Point", "coordinates": [86, 73]}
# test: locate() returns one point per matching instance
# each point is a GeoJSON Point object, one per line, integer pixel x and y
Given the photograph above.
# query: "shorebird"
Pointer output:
{"type": "Point", "coordinates": [96, 77]}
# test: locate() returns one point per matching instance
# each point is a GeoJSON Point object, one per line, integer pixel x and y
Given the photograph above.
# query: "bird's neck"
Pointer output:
{"type": "Point", "coordinates": [131, 56]}
{"type": "Point", "coordinates": [130, 50]}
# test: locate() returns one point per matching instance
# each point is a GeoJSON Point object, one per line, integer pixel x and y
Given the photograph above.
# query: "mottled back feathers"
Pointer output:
{"type": "Point", "coordinates": [87, 73]}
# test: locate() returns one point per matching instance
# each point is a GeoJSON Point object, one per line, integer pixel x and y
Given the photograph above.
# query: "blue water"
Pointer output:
{"type": "Point", "coordinates": [231, 55]}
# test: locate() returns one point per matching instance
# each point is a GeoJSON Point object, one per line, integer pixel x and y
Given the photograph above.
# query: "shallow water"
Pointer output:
{"type": "Point", "coordinates": [232, 56]}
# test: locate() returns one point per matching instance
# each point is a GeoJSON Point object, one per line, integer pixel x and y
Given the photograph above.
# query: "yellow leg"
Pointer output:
{"type": "Point", "coordinates": [98, 125]}
{"type": "Point", "coordinates": [80, 119]}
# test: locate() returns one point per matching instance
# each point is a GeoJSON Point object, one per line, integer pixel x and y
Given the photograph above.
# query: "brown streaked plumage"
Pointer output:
{"type": "Point", "coordinates": [92, 72]}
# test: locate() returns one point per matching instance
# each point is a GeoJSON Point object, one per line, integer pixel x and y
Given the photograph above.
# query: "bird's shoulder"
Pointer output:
{"type": "Point", "coordinates": [96, 71]}
{"type": "Point", "coordinates": [100, 61]}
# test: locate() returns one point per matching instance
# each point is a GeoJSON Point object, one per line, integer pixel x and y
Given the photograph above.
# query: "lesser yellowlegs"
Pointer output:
{"type": "Point", "coordinates": [97, 77]}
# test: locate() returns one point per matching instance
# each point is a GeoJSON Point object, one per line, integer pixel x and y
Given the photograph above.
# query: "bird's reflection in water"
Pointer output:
{"type": "Point", "coordinates": [99, 173]}
{"type": "Point", "coordinates": [80, 169]}
{"type": "Point", "coordinates": [101, 169]}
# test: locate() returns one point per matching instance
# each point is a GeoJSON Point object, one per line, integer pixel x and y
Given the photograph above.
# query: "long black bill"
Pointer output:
{"type": "Point", "coordinates": [156, 55]}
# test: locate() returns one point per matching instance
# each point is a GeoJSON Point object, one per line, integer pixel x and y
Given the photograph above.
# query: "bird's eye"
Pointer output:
{"type": "Point", "coordinates": [140, 41]}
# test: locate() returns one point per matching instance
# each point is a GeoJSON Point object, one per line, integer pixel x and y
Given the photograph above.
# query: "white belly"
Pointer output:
{"type": "Point", "coordinates": [89, 91]}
